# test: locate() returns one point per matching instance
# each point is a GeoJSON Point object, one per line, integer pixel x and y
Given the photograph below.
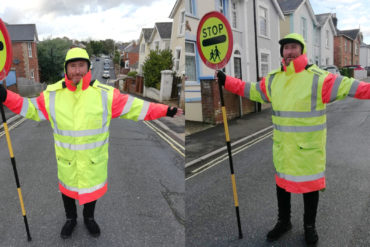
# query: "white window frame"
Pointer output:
{"type": "Point", "coordinates": [127, 64]}
{"type": "Point", "coordinates": [182, 23]}
{"type": "Point", "coordinates": [356, 49]}
{"type": "Point", "coordinates": [234, 14]}
{"type": "Point", "coordinates": [32, 74]}
{"type": "Point", "coordinates": [267, 52]}
{"type": "Point", "coordinates": [267, 20]}
{"type": "Point", "coordinates": [177, 58]}
{"type": "Point", "coordinates": [345, 45]}
{"type": "Point", "coordinates": [220, 6]}
{"type": "Point", "coordinates": [142, 48]}
{"type": "Point", "coordinates": [29, 45]}
{"type": "Point", "coordinates": [237, 54]}
{"type": "Point", "coordinates": [189, 54]}
{"type": "Point", "coordinates": [189, 6]}
{"type": "Point", "coordinates": [304, 28]}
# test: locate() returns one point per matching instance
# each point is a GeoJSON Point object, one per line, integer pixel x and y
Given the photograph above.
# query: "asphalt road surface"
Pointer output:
{"type": "Point", "coordinates": [343, 217]}
{"type": "Point", "coordinates": [144, 205]}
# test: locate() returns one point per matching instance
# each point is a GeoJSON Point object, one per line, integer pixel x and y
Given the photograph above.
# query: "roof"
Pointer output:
{"type": "Point", "coordinates": [164, 29]}
{"type": "Point", "coordinates": [147, 33]}
{"type": "Point", "coordinates": [321, 18]}
{"type": "Point", "coordinates": [22, 32]}
{"type": "Point", "coordinates": [352, 34]}
{"type": "Point", "coordinates": [133, 49]}
{"type": "Point", "coordinates": [289, 6]}
{"type": "Point", "coordinates": [174, 9]}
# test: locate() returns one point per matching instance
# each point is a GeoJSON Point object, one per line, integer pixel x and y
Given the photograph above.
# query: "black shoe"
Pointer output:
{"type": "Point", "coordinates": [68, 228]}
{"type": "Point", "coordinates": [310, 234]}
{"type": "Point", "coordinates": [279, 230]}
{"type": "Point", "coordinates": [92, 226]}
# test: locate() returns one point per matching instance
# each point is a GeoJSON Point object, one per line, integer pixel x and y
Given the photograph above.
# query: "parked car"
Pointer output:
{"type": "Point", "coordinates": [106, 74]}
{"type": "Point", "coordinates": [368, 70]}
{"type": "Point", "coordinates": [97, 59]}
{"type": "Point", "coordinates": [331, 68]}
{"type": "Point", "coordinates": [106, 67]}
{"type": "Point", "coordinates": [355, 67]}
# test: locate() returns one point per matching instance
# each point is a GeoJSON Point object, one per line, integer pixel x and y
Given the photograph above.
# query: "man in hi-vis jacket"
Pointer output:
{"type": "Point", "coordinates": [80, 110]}
{"type": "Point", "coordinates": [298, 93]}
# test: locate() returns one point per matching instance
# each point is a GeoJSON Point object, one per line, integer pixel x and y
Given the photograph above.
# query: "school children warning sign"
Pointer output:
{"type": "Point", "coordinates": [214, 40]}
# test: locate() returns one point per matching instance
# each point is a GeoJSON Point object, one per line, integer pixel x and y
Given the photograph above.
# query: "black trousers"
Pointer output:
{"type": "Point", "coordinates": [310, 200]}
{"type": "Point", "coordinates": [71, 211]}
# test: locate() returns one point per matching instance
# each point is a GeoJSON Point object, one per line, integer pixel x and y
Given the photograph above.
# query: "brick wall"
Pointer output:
{"type": "Point", "coordinates": [26, 64]}
{"type": "Point", "coordinates": [211, 105]}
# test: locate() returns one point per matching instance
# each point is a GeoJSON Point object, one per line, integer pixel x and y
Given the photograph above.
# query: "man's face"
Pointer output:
{"type": "Point", "coordinates": [76, 70]}
{"type": "Point", "coordinates": [291, 51]}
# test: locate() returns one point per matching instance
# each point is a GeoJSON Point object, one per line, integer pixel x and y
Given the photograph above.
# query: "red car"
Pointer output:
{"type": "Point", "coordinates": [355, 67]}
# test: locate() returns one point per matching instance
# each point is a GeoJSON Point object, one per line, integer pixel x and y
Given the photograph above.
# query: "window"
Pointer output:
{"type": "Point", "coordinates": [356, 49]}
{"type": "Point", "coordinates": [189, 7]}
{"type": "Point", "coordinates": [345, 45]}
{"type": "Point", "coordinates": [327, 39]}
{"type": "Point", "coordinates": [234, 15]}
{"type": "Point", "coordinates": [327, 61]}
{"type": "Point", "coordinates": [190, 66]}
{"type": "Point", "coordinates": [304, 28]}
{"type": "Point", "coordinates": [177, 59]}
{"type": "Point", "coordinates": [127, 64]}
{"type": "Point", "coordinates": [263, 21]}
{"type": "Point", "coordinates": [156, 45]}
{"type": "Point", "coordinates": [29, 49]}
{"type": "Point", "coordinates": [237, 65]}
{"type": "Point", "coordinates": [221, 6]}
{"type": "Point", "coordinates": [142, 48]}
{"type": "Point", "coordinates": [182, 23]}
{"type": "Point", "coordinates": [32, 74]}
{"type": "Point", "coordinates": [265, 63]}
{"type": "Point", "coordinates": [345, 61]}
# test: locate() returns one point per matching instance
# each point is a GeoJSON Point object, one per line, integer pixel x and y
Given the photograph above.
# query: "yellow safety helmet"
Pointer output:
{"type": "Point", "coordinates": [292, 38]}
{"type": "Point", "coordinates": [76, 54]}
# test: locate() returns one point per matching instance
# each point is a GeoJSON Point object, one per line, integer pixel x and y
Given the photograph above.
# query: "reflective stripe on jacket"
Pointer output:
{"type": "Point", "coordinates": [80, 120]}
{"type": "Point", "coordinates": [298, 96]}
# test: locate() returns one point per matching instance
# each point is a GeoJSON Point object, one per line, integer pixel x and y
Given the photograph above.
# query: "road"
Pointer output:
{"type": "Point", "coordinates": [144, 205]}
{"type": "Point", "coordinates": [343, 217]}
{"type": "Point", "coordinates": [98, 68]}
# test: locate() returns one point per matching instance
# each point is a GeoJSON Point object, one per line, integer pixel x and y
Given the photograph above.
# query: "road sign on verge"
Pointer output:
{"type": "Point", "coordinates": [5, 51]}
{"type": "Point", "coordinates": [214, 40]}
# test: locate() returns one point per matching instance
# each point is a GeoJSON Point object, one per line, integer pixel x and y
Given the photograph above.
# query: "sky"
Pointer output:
{"type": "Point", "coordinates": [120, 20]}
{"type": "Point", "coordinates": [351, 14]}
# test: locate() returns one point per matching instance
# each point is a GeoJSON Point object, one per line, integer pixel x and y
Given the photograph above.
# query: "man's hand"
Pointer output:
{"type": "Point", "coordinates": [173, 111]}
{"type": "Point", "coordinates": [220, 77]}
{"type": "Point", "coordinates": [3, 93]}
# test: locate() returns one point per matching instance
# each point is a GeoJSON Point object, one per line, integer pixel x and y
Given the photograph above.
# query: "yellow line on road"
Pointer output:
{"type": "Point", "coordinates": [224, 157]}
{"type": "Point", "coordinates": [165, 137]}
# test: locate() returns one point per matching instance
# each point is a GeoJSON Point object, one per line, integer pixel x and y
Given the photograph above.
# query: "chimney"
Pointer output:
{"type": "Point", "coordinates": [335, 20]}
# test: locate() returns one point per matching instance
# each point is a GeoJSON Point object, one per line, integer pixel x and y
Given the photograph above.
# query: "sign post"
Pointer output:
{"type": "Point", "coordinates": [215, 46]}
{"type": "Point", "coordinates": [5, 64]}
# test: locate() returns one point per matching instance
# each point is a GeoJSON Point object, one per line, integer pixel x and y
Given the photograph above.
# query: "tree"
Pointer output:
{"type": "Point", "coordinates": [157, 61]}
{"type": "Point", "coordinates": [51, 54]}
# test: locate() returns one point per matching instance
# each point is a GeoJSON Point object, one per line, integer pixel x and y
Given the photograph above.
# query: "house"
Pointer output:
{"type": "Point", "coordinates": [177, 44]}
{"type": "Point", "coordinates": [25, 68]}
{"type": "Point", "coordinates": [300, 18]}
{"type": "Point", "coordinates": [347, 46]}
{"type": "Point", "coordinates": [201, 92]}
{"type": "Point", "coordinates": [130, 57]}
{"type": "Point", "coordinates": [324, 40]}
{"type": "Point", "coordinates": [143, 44]}
{"type": "Point", "coordinates": [365, 55]}
{"type": "Point", "coordinates": [161, 36]}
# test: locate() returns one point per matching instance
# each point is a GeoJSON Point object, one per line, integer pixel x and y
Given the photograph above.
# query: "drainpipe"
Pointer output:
{"type": "Point", "coordinates": [257, 105]}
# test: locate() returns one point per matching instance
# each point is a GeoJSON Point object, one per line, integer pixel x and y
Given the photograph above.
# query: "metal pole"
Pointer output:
{"type": "Point", "coordinates": [258, 105]}
{"type": "Point", "coordinates": [12, 159]}
{"type": "Point", "coordinates": [236, 201]}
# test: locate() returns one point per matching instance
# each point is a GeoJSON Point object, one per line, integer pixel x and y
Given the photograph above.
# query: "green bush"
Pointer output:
{"type": "Point", "coordinates": [132, 73]}
{"type": "Point", "coordinates": [157, 61]}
